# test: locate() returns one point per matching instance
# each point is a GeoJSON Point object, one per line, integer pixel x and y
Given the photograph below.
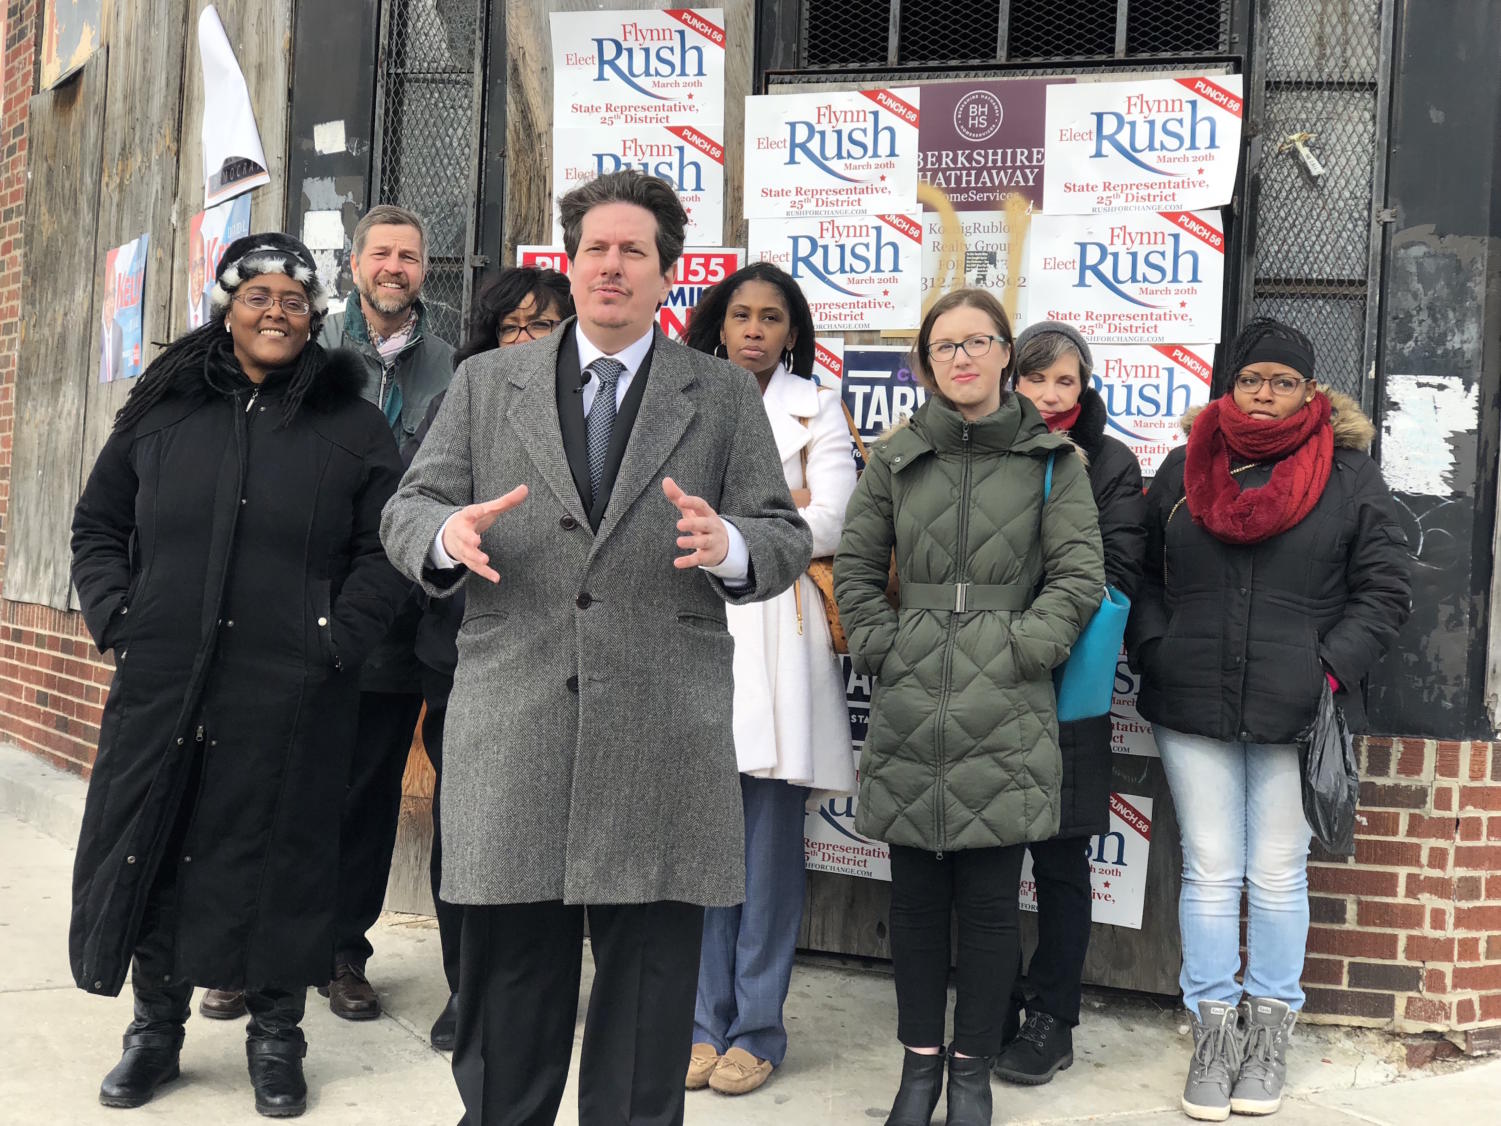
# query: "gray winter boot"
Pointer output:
{"type": "Point", "coordinates": [1215, 1063]}
{"type": "Point", "coordinates": [1266, 1027]}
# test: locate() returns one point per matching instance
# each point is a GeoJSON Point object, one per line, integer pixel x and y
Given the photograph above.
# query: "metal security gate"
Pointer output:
{"type": "Point", "coordinates": [429, 107]}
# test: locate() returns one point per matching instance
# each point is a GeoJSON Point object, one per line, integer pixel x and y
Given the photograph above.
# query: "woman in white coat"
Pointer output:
{"type": "Point", "coordinates": [792, 731]}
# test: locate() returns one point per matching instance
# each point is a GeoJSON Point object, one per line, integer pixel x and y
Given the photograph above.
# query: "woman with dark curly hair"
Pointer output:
{"type": "Point", "coordinates": [792, 731]}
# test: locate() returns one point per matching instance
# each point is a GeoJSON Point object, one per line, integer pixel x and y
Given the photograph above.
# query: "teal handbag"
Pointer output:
{"type": "Point", "coordinates": [1086, 681]}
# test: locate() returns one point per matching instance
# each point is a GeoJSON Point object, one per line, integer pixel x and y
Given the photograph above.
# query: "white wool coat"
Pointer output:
{"type": "Point", "coordinates": [791, 718]}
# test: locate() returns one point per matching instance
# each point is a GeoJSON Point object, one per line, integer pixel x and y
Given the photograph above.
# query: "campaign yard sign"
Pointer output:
{"type": "Point", "coordinates": [858, 272]}
{"type": "Point", "coordinates": [1151, 144]}
{"type": "Point", "coordinates": [1117, 865]}
{"type": "Point", "coordinates": [121, 331]}
{"type": "Point", "coordinates": [209, 234]}
{"type": "Point", "coordinates": [1138, 278]}
{"type": "Point", "coordinates": [1129, 733]}
{"type": "Point", "coordinates": [849, 152]}
{"type": "Point", "coordinates": [828, 362]}
{"type": "Point", "coordinates": [698, 268]}
{"type": "Point", "coordinates": [1147, 389]}
{"type": "Point", "coordinates": [639, 68]}
{"type": "Point", "coordinates": [688, 157]}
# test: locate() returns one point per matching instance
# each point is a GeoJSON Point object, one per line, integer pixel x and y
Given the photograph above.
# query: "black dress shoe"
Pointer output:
{"type": "Point", "coordinates": [222, 1004]}
{"type": "Point", "coordinates": [276, 1075]}
{"type": "Point", "coordinates": [150, 1060]}
{"type": "Point", "coordinates": [446, 1025]}
{"type": "Point", "coordinates": [1044, 1047]}
{"type": "Point", "coordinates": [969, 1091]}
{"type": "Point", "coordinates": [922, 1082]}
{"type": "Point", "coordinates": [350, 995]}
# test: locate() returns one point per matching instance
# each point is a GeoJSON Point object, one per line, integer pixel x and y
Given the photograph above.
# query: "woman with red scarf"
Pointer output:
{"type": "Point", "coordinates": [1275, 563]}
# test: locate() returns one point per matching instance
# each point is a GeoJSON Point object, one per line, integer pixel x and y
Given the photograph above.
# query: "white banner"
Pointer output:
{"type": "Point", "coordinates": [1142, 278]}
{"type": "Point", "coordinates": [1129, 733]}
{"type": "Point", "coordinates": [828, 361]}
{"type": "Point", "coordinates": [1164, 144]}
{"type": "Point", "coordinates": [858, 272]}
{"type": "Point", "coordinates": [1147, 388]}
{"type": "Point", "coordinates": [851, 152]}
{"type": "Point", "coordinates": [1117, 865]}
{"type": "Point", "coordinates": [689, 158]}
{"type": "Point", "coordinates": [638, 68]}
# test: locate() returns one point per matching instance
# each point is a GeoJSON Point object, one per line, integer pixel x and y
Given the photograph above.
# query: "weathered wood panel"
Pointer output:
{"type": "Point", "coordinates": [59, 336]}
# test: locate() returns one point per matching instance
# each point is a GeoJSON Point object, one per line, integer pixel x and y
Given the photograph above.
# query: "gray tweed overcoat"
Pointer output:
{"type": "Point", "coordinates": [588, 753]}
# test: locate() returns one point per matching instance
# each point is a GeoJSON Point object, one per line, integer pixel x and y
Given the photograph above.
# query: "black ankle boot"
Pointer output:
{"type": "Point", "coordinates": [1043, 1049]}
{"type": "Point", "coordinates": [969, 1091]}
{"type": "Point", "coordinates": [922, 1080]}
{"type": "Point", "coordinates": [150, 1060]}
{"type": "Point", "coordinates": [276, 1075]}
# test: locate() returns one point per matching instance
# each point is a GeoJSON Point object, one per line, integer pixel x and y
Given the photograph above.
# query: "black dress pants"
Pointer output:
{"type": "Point", "coordinates": [518, 1005]}
{"type": "Point", "coordinates": [1064, 906]}
{"type": "Point", "coordinates": [372, 807]}
{"type": "Point", "coordinates": [980, 887]}
{"type": "Point", "coordinates": [450, 917]}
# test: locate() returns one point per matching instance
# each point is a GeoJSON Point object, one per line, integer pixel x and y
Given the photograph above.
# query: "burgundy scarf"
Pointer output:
{"type": "Point", "coordinates": [1065, 420]}
{"type": "Point", "coordinates": [1302, 446]}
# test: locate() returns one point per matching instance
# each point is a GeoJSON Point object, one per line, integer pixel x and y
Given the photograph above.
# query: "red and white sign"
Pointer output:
{"type": "Point", "coordinates": [1137, 278]}
{"type": "Point", "coordinates": [697, 270]}
{"type": "Point", "coordinates": [859, 272]}
{"type": "Point", "coordinates": [850, 152]}
{"type": "Point", "coordinates": [828, 361]}
{"type": "Point", "coordinates": [1159, 144]}
{"type": "Point", "coordinates": [638, 68]}
{"type": "Point", "coordinates": [688, 157]}
{"type": "Point", "coordinates": [1117, 864]}
{"type": "Point", "coordinates": [1147, 389]}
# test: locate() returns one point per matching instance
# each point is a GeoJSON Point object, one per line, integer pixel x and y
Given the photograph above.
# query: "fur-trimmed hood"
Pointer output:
{"type": "Point", "coordinates": [1353, 430]}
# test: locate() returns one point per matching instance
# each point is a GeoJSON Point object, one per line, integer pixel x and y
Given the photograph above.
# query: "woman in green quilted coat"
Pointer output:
{"type": "Point", "coordinates": [961, 767]}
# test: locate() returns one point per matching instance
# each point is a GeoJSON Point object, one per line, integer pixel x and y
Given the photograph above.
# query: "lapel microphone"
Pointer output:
{"type": "Point", "coordinates": [584, 378]}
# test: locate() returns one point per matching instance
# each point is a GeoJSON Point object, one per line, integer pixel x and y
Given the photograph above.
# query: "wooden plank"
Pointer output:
{"type": "Point", "coordinates": [59, 338]}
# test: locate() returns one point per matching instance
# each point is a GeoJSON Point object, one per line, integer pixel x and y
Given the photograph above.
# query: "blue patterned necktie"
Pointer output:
{"type": "Point", "coordinates": [601, 418]}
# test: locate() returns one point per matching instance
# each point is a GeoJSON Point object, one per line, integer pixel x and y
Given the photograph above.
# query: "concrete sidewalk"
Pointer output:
{"type": "Point", "coordinates": [1130, 1054]}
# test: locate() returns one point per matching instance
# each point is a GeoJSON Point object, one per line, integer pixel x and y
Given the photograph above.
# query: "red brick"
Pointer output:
{"type": "Point", "coordinates": [1412, 760]}
{"type": "Point", "coordinates": [1480, 761]}
{"type": "Point", "coordinates": [1446, 760]}
{"type": "Point", "coordinates": [1438, 919]}
{"type": "Point", "coordinates": [1437, 859]}
{"type": "Point", "coordinates": [1351, 1003]}
{"type": "Point", "coordinates": [1422, 1051]}
{"type": "Point", "coordinates": [1392, 854]}
{"type": "Point", "coordinates": [1435, 981]}
{"type": "Point", "coordinates": [1466, 950]}
{"type": "Point", "coordinates": [1493, 948]}
{"type": "Point", "coordinates": [1393, 795]}
{"type": "Point", "coordinates": [1327, 909]}
{"type": "Point", "coordinates": [1383, 823]}
{"type": "Point", "coordinates": [1389, 915]}
{"type": "Point", "coordinates": [1486, 919]}
{"type": "Point", "coordinates": [1482, 858]}
{"type": "Point", "coordinates": [1348, 880]}
{"type": "Point", "coordinates": [1323, 971]}
{"type": "Point", "coordinates": [1472, 828]}
{"type": "Point", "coordinates": [1443, 798]}
{"type": "Point", "coordinates": [1490, 1006]}
{"type": "Point", "coordinates": [1469, 889]}
{"type": "Point", "coordinates": [1487, 978]}
{"type": "Point", "coordinates": [1464, 1012]}
{"type": "Point", "coordinates": [1378, 761]}
{"type": "Point", "coordinates": [1424, 828]}
{"type": "Point", "coordinates": [1480, 797]}
{"type": "Point", "coordinates": [1352, 944]}
{"type": "Point", "coordinates": [1423, 948]}
{"type": "Point", "coordinates": [1390, 976]}
{"type": "Point", "coordinates": [1426, 1010]}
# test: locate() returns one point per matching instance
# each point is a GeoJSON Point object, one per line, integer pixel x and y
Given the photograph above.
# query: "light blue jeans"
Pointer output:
{"type": "Point", "coordinates": [1240, 810]}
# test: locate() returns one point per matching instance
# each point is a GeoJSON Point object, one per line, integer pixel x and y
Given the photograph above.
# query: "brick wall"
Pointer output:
{"type": "Point", "coordinates": [1407, 934]}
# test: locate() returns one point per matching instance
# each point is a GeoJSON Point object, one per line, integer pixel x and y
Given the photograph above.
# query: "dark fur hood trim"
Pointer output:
{"type": "Point", "coordinates": [1089, 430]}
{"type": "Point", "coordinates": [341, 380]}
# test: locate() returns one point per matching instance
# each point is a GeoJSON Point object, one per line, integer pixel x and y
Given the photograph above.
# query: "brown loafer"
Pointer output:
{"type": "Point", "coordinates": [739, 1073]}
{"type": "Point", "coordinates": [222, 1004]}
{"type": "Point", "coordinates": [351, 996]}
{"type": "Point", "coordinates": [701, 1065]}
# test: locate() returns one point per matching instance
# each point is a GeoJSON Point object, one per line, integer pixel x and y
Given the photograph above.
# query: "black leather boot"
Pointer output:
{"type": "Point", "coordinates": [446, 1026]}
{"type": "Point", "coordinates": [276, 1075]}
{"type": "Point", "coordinates": [922, 1081]}
{"type": "Point", "coordinates": [969, 1091]}
{"type": "Point", "coordinates": [150, 1060]}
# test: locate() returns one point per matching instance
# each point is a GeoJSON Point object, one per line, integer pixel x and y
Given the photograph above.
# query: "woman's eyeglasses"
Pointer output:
{"type": "Point", "coordinates": [536, 330]}
{"type": "Point", "coordinates": [1282, 385]}
{"type": "Point", "coordinates": [974, 347]}
{"type": "Point", "coordinates": [260, 301]}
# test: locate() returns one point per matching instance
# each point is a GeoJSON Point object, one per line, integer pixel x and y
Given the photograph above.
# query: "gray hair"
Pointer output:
{"type": "Point", "coordinates": [652, 193]}
{"type": "Point", "coordinates": [389, 215]}
{"type": "Point", "coordinates": [1039, 351]}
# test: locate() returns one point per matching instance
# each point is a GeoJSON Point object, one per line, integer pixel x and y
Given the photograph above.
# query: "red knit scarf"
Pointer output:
{"type": "Point", "coordinates": [1064, 420]}
{"type": "Point", "coordinates": [1302, 446]}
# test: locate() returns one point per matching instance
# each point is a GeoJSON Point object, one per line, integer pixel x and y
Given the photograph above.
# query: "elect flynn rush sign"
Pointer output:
{"type": "Point", "coordinates": [858, 272]}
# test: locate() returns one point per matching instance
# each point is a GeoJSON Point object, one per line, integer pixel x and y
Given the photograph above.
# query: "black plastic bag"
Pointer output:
{"type": "Point", "coordinates": [1331, 779]}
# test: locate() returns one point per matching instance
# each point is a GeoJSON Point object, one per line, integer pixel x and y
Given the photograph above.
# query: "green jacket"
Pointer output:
{"type": "Point", "coordinates": [962, 747]}
{"type": "Point", "coordinates": [422, 369]}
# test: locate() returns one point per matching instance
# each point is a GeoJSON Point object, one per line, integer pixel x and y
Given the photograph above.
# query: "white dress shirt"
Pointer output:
{"type": "Point", "coordinates": [734, 570]}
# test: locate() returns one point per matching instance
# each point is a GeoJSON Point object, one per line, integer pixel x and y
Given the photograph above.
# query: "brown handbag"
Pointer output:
{"type": "Point", "coordinates": [821, 570]}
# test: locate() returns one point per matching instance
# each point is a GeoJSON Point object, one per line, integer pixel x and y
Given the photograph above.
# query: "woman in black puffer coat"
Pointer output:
{"type": "Point", "coordinates": [1053, 369]}
{"type": "Point", "coordinates": [227, 548]}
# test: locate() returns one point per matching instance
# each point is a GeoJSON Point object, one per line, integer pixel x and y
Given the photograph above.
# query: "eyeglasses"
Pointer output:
{"type": "Point", "coordinates": [974, 347]}
{"type": "Point", "coordinates": [536, 330]}
{"type": "Point", "coordinates": [260, 301]}
{"type": "Point", "coordinates": [1282, 385]}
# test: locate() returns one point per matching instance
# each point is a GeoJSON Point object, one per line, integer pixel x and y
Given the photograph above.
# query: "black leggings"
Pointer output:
{"type": "Point", "coordinates": [980, 886]}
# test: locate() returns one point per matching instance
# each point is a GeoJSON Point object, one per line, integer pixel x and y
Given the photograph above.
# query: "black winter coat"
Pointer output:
{"type": "Point", "coordinates": [1115, 479]}
{"type": "Point", "coordinates": [234, 564]}
{"type": "Point", "coordinates": [1232, 640]}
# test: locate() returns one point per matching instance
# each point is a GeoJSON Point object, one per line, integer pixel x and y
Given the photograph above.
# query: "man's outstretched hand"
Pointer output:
{"type": "Point", "coordinates": [704, 537]}
{"type": "Point", "coordinates": [461, 535]}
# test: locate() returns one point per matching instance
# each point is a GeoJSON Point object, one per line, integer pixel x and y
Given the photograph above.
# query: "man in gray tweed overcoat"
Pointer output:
{"type": "Point", "coordinates": [610, 489]}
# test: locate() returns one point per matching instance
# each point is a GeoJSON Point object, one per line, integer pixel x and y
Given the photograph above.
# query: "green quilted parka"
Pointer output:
{"type": "Point", "coordinates": [962, 747]}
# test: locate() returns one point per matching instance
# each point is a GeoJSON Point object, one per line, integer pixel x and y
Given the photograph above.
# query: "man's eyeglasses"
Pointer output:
{"type": "Point", "coordinates": [260, 301]}
{"type": "Point", "coordinates": [1282, 385]}
{"type": "Point", "coordinates": [974, 347]}
{"type": "Point", "coordinates": [536, 330]}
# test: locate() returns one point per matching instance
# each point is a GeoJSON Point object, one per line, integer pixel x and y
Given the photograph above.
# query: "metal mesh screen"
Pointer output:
{"type": "Point", "coordinates": [939, 31]}
{"type": "Point", "coordinates": [1177, 27]}
{"type": "Point", "coordinates": [1314, 233]}
{"type": "Point", "coordinates": [841, 32]}
{"type": "Point", "coordinates": [426, 135]}
{"type": "Point", "coordinates": [1045, 29]}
